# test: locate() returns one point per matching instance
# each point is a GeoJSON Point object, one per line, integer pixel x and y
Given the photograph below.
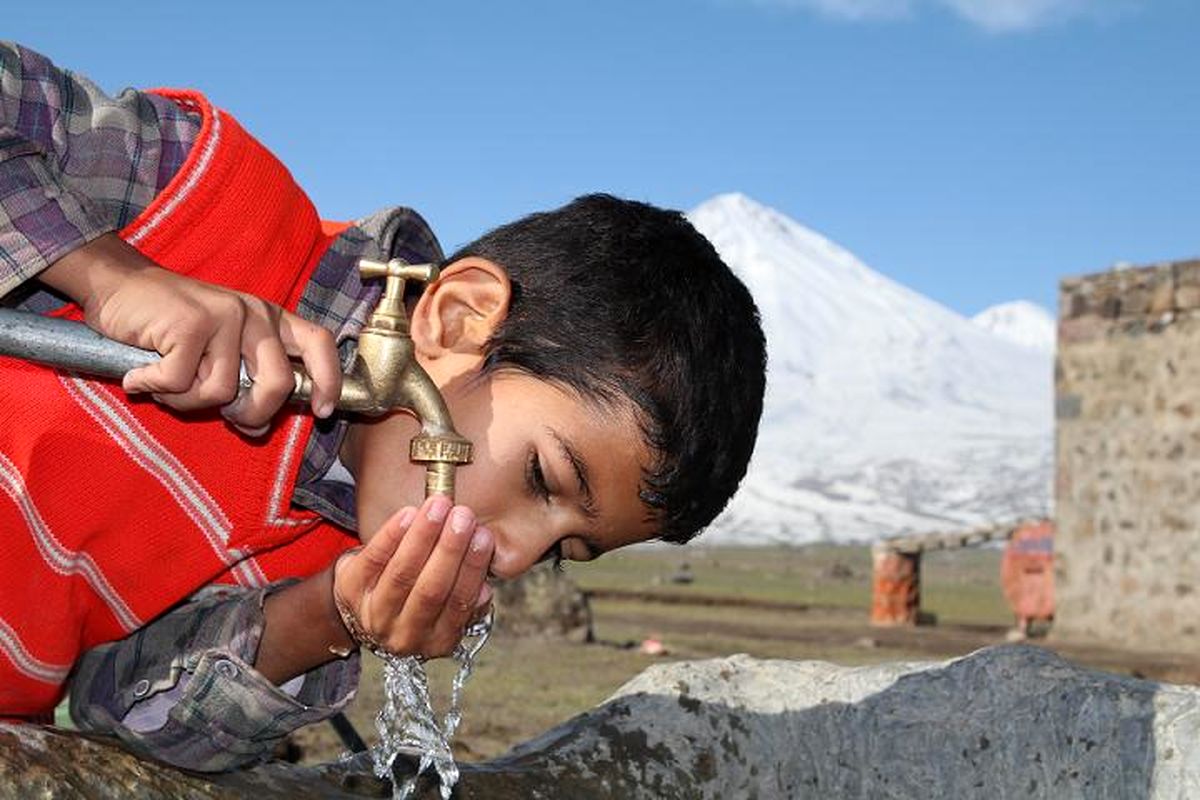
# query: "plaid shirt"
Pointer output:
{"type": "Point", "coordinates": [76, 163]}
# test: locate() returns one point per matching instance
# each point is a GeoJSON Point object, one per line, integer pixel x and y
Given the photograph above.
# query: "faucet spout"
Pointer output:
{"type": "Point", "coordinates": [386, 377]}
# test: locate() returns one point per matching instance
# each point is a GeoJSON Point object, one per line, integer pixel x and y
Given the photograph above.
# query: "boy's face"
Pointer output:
{"type": "Point", "coordinates": [551, 474]}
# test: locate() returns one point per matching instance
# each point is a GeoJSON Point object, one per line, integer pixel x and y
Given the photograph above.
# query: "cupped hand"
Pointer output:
{"type": "Point", "coordinates": [414, 587]}
{"type": "Point", "coordinates": [203, 333]}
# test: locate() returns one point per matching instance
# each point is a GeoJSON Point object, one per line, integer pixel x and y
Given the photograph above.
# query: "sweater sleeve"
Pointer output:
{"type": "Point", "coordinates": [75, 163]}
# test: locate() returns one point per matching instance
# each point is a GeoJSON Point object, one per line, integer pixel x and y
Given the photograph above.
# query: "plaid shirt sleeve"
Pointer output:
{"type": "Point", "coordinates": [183, 690]}
{"type": "Point", "coordinates": [75, 163]}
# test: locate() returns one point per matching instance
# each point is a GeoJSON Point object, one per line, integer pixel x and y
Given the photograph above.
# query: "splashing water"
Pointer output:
{"type": "Point", "coordinates": [407, 721]}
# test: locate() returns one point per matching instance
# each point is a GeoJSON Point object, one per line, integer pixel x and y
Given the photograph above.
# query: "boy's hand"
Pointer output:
{"type": "Point", "coordinates": [418, 582]}
{"type": "Point", "coordinates": [202, 331]}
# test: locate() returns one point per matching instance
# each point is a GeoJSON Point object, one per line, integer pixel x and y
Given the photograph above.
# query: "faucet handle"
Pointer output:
{"type": "Point", "coordinates": [397, 268]}
{"type": "Point", "coordinates": [389, 313]}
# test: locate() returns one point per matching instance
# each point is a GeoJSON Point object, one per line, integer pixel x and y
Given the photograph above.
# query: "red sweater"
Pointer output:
{"type": "Point", "coordinates": [112, 510]}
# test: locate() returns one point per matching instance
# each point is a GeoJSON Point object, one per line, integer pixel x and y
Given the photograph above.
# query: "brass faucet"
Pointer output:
{"type": "Point", "coordinates": [385, 376]}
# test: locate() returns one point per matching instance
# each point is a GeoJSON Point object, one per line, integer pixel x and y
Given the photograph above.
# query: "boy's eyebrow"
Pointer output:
{"type": "Point", "coordinates": [588, 502]}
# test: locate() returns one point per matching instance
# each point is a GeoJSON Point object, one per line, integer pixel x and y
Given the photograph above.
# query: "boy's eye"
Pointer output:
{"type": "Point", "coordinates": [535, 478]}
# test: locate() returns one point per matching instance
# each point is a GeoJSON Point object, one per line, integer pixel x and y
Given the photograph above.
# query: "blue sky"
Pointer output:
{"type": "Point", "coordinates": [975, 150]}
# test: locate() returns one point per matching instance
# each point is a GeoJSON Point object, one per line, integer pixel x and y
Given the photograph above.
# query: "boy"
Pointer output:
{"type": "Point", "coordinates": [605, 363]}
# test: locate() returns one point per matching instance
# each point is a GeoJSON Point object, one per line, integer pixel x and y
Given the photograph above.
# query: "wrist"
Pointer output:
{"type": "Point", "coordinates": [348, 616]}
{"type": "Point", "coordinates": [89, 274]}
{"type": "Point", "coordinates": [302, 629]}
{"type": "Point", "coordinates": [343, 639]}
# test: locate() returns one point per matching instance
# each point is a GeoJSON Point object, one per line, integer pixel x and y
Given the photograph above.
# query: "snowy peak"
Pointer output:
{"type": "Point", "coordinates": [1020, 322]}
{"type": "Point", "coordinates": [886, 412]}
{"type": "Point", "coordinates": [737, 213]}
{"type": "Point", "coordinates": [734, 221]}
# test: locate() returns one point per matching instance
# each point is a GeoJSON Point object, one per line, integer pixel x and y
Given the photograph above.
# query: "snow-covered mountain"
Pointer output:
{"type": "Point", "coordinates": [1020, 322]}
{"type": "Point", "coordinates": [885, 412]}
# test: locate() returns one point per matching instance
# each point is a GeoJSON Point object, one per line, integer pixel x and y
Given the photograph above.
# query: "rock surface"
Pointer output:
{"type": "Point", "coordinates": [1011, 721]}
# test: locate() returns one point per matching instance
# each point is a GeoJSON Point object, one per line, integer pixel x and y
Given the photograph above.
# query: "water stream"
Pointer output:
{"type": "Point", "coordinates": [407, 722]}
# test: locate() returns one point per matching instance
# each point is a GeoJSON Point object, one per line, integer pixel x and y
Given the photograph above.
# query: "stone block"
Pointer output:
{"type": "Point", "coordinates": [1085, 328]}
{"type": "Point", "coordinates": [543, 602]}
{"type": "Point", "coordinates": [1128, 438]}
{"type": "Point", "coordinates": [1187, 297]}
{"type": "Point", "coordinates": [1068, 406]}
{"type": "Point", "coordinates": [1013, 721]}
{"type": "Point", "coordinates": [1071, 303]}
{"type": "Point", "coordinates": [1109, 306]}
{"type": "Point", "coordinates": [1187, 273]}
{"type": "Point", "coordinates": [1163, 298]}
{"type": "Point", "coordinates": [1135, 302]}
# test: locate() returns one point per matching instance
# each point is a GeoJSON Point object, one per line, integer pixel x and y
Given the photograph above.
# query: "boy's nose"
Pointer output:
{"type": "Point", "coordinates": [517, 550]}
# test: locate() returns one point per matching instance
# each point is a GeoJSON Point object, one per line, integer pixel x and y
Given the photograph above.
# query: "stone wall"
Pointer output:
{"type": "Point", "coordinates": [1128, 449]}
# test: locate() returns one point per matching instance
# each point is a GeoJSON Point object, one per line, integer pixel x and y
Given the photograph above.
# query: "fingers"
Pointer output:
{"type": "Point", "coordinates": [174, 372]}
{"type": "Point", "coordinates": [267, 365]}
{"type": "Point", "coordinates": [202, 331]}
{"type": "Point", "coordinates": [317, 349]}
{"type": "Point", "coordinates": [433, 588]}
{"type": "Point", "coordinates": [358, 575]}
{"type": "Point", "coordinates": [407, 565]}
{"type": "Point", "coordinates": [217, 376]}
{"type": "Point", "coordinates": [421, 579]}
{"type": "Point", "coordinates": [201, 356]}
{"type": "Point", "coordinates": [470, 594]}
{"type": "Point", "coordinates": [205, 344]}
{"type": "Point", "coordinates": [451, 588]}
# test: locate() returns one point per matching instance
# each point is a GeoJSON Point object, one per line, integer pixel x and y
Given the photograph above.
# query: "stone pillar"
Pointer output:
{"type": "Point", "coordinates": [1127, 508]}
{"type": "Point", "coordinates": [896, 586]}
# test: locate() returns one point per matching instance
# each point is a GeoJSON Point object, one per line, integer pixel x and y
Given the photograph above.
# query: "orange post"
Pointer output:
{"type": "Point", "coordinates": [896, 591]}
{"type": "Point", "coordinates": [1027, 573]}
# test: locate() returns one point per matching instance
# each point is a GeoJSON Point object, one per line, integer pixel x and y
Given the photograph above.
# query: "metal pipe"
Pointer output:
{"type": "Point", "coordinates": [67, 345]}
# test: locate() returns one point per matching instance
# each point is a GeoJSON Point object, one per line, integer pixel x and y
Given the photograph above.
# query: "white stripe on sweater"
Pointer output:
{"type": "Point", "coordinates": [247, 571]}
{"type": "Point", "coordinates": [115, 418]}
{"type": "Point", "coordinates": [59, 558]}
{"type": "Point", "coordinates": [277, 509]}
{"type": "Point", "coordinates": [25, 662]}
{"type": "Point", "coordinates": [160, 463]}
{"type": "Point", "coordinates": [202, 164]}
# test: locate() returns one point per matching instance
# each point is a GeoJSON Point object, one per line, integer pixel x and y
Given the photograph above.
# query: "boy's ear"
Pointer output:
{"type": "Point", "coordinates": [458, 312]}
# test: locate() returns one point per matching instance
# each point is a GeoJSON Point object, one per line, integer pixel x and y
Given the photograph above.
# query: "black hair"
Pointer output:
{"type": "Point", "coordinates": [619, 299]}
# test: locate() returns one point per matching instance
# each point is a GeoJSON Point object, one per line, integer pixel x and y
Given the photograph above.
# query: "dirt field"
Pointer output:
{"type": "Point", "coordinates": [796, 603]}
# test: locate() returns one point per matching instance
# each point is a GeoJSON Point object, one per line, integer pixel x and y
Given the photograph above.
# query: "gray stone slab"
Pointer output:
{"type": "Point", "coordinates": [1005, 722]}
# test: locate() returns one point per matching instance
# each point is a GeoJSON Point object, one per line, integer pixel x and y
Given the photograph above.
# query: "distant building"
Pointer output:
{"type": "Point", "coordinates": [1128, 451]}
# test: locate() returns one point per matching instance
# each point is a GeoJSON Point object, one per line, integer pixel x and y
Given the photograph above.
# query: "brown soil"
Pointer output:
{"type": "Point", "coordinates": [836, 629]}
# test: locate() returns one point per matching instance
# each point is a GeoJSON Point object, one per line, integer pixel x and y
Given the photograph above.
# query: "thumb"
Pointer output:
{"type": "Point", "coordinates": [175, 372]}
